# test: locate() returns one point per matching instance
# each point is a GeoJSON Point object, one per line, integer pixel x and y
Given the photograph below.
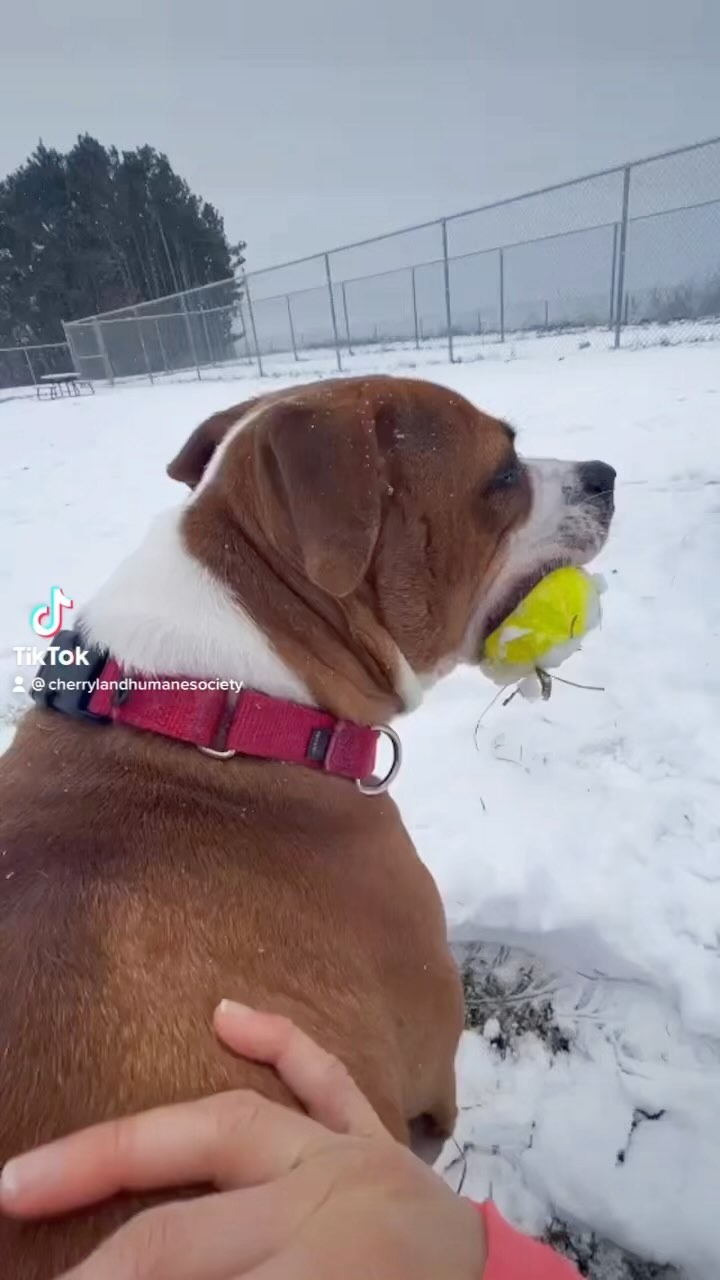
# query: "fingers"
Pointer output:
{"type": "Point", "coordinates": [229, 1140]}
{"type": "Point", "coordinates": [211, 1238]}
{"type": "Point", "coordinates": [318, 1080]}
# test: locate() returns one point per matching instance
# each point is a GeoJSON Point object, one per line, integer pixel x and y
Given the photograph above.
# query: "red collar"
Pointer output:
{"type": "Point", "coordinates": [252, 724]}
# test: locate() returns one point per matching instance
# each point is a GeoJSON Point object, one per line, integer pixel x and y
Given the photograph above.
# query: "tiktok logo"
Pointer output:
{"type": "Point", "coordinates": [47, 619]}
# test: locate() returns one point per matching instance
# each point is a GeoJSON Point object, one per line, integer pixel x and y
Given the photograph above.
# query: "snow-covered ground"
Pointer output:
{"type": "Point", "coordinates": [585, 831]}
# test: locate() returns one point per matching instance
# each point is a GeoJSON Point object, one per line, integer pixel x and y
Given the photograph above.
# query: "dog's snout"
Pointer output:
{"type": "Point", "coordinates": [597, 479]}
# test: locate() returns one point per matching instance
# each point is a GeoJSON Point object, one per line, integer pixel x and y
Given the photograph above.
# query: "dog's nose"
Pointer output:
{"type": "Point", "coordinates": [596, 478]}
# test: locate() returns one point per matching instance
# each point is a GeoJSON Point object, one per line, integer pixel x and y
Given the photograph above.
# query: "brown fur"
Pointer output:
{"type": "Point", "coordinates": [141, 881]}
{"type": "Point", "coordinates": [399, 463]}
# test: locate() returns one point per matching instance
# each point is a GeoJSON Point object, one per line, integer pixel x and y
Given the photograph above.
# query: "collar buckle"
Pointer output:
{"type": "Point", "coordinates": [67, 683]}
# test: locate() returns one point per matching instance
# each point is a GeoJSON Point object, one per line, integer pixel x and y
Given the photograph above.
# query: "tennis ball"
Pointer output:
{"type": "Point", "coordinates": [546, 627]}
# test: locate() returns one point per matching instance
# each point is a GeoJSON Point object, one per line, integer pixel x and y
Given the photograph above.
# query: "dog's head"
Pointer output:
{"type": "Point", "coordinates": [393, 508]}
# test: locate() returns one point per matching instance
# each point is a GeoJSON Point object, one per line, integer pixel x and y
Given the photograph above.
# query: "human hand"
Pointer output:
{"type": "Point", "coordinates": [315, 1197]}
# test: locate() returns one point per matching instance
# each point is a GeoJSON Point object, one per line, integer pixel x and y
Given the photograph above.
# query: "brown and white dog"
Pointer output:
{"type": "Point", "coordinates": [344, 545]}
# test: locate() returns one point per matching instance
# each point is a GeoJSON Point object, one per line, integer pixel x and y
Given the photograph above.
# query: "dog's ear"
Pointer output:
{"type": "Point", "coordinates": [188, 466]}
{"type": "Point", "coordinates": [318, 470]}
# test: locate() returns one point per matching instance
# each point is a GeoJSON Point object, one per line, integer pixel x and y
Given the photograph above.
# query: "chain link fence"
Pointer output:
{"type": "Point", "coordinates": [200, 328]}
{"type": "Point", "coordinates": [628, 256]}
{"type": "Point", "coordinates": [23, 368]}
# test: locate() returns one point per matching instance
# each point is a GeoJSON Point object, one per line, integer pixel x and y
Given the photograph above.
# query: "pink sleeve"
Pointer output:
{"type": "Point", "coordinates": [514, 1256]}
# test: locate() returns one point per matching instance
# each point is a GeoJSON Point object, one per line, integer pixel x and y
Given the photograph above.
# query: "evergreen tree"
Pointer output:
{"type": "Point", "coordinates": [94, 230]}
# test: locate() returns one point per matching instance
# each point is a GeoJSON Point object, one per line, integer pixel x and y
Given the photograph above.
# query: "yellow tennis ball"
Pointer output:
{"type": "Point", "coordinates": [546, 627]}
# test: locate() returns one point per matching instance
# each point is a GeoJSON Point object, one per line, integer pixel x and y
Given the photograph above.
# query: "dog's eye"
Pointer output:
{"type": "Point", "coordinates": [507, 478]}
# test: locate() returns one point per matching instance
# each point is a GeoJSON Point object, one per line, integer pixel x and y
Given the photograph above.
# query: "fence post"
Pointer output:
{"type": "Point", "coordinates": [256, 344]}
{"type": "Point", "coordinates": [29, 365]}
{"type": "Point", "coordinates": [547, 315]}
{"type": "Point", "coordinates": [161, 345]}
{"type": "Point", "coordinates": [71, 350]}
{"type": "Point", "coordinates": [333, 316]}
{"type": "Point", "coordinates": [415, 313]}
{"type": "Point", "coordinates": [622, 255]}
{"type": "Point", "coordinates": [448, 299]}
{"type": "Point", "coordinates": [613, 274]}
{"type": "Point", "coordinates": [501, 286]}
{"type": "Point", "coordinates": [97, 327]}
{"type": "Point", "coordinates": [148, 368]}
{"type": "Point", "coordinates": [347, 321]}
{"type": "Point", "coordinates": [190, 335]}
{"type": "Point", "coordinates": [292, 326]}
{"type": "Point", "coordinates": [206, 333]}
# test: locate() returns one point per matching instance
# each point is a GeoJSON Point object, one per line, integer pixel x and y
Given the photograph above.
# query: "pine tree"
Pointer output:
{"type": "Point", "coordinates": [93, 230]}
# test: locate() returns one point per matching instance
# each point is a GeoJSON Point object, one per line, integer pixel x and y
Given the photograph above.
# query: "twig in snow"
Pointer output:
{"type": "Point", "coordinates": [573, 684]}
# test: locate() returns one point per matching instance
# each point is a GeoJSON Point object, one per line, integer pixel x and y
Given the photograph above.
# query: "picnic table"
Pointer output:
{"type": "Point", "coordinates": [61, 384]}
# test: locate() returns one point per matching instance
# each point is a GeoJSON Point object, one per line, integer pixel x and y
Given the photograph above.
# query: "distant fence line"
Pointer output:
{"type": "Point", "coordinates": [637, 245]}
{"type": "Point", "coordinates": [29, 364]}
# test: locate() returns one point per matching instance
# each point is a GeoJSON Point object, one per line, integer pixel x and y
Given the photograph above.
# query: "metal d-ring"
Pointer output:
{"type": "Point", "coordinates": [380, 785]}
{"type": "Point", "coordinates": [224, 755]}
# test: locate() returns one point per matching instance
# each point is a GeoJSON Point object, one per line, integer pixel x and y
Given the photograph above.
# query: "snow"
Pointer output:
{"type": "Point", "coordinates": [584, 831]}
{"type": "Point", "coordinates": [620, 1133]}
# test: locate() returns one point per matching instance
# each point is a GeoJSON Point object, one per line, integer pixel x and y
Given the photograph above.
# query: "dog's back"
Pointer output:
{"type": "Point", "coordinates": [140, 884]}
{"type": "Point", "coordinates": [345, 544]}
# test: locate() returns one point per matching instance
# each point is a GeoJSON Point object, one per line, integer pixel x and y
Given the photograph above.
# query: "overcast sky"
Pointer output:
{"type": "Point", "coordinates": [313, 122]}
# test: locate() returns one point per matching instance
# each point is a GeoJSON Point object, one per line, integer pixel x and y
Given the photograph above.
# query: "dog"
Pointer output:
{"type": "Point", "coordinates": [343, 546]}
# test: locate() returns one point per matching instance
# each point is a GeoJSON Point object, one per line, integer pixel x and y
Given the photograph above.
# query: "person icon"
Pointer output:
{"type": "Point", "coordinates": [19, 685]}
